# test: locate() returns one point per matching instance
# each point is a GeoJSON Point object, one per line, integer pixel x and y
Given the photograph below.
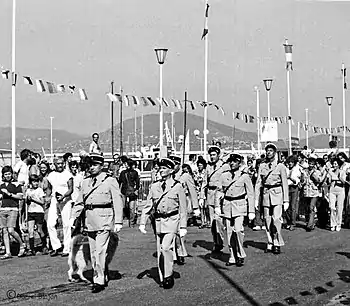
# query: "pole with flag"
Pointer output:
{"type": "Point", "coordinates": [258, 116]}
{"type": "Point", "coordinates": [13, 88]}
{"type": "Point", "coordinates": [289, 67]}
{"type": "Point", "coordinates": [343, 71]}
{"type": "Point", "coordinates": [185, 128]}
{"type": "Point", "coordinates": [307, 127]}
{"type": "Point", "coordinates": [205, 37]}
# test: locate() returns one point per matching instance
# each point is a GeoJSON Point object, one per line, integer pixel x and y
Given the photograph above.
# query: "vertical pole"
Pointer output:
{"type": "Point", "coordinates": [289, 115]}
{"type": "Point", "coordinates": [112, 119]}
{"type": "Point", "coordinates": [185, 132]}
{"type": "Point", "coordinates": [135, 129]}
{"type": "Point", "coordinates": [172, 129]}
{"type": "Point", "coordinates": [141, 130]}
{"type": "Point", "coordinates": [121, 123]}
{"type": "Point", "coordinates": [344, 119]}
{"type": "Point", "coordinates": [330, 121]}
{"type": "Point", "coordinates": [13, 88]}
{"type": "Point", "coordinates": [205, 126]}
{"type": "Point", "coordinates": [233, 137]}
{"type": "Point", "coordinates": [307, 127]}
{"type": "Point", "coordinates": [298, 131]}
{"type": "Point", "coordinates": [268, 106]}
{"type": "Point", "coordinates": [161, 110]}
{"type": "Point", "coordinates": [258, 117]}
{"type": "Point", "coordinates": [51, 139]}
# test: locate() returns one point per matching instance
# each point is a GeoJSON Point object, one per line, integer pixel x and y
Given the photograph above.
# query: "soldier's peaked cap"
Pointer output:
{"type": "Point", "coordinates": [167, 162]}
{"type": "Point", "coordinates": [235, 157]}
{"type": "Point", "coordinates": [175, 159]}
{"type": "Point", "coordinates": [271, 145]}
{"type": "Point", "coordinates": [214, 149]}
{"type": "Point", "coordinates": [97, 158]}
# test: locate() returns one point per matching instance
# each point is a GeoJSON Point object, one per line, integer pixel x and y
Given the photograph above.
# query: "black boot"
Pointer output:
{"type": "Point", "coordinates": [168, 282]}
{"type": "Point", "coordinates": [181, 260]}
{"type": "Point", "coordinates": [276, 250]}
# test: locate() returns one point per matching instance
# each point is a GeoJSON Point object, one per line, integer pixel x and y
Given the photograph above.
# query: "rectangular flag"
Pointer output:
{"type": "Point", "coordinates": [343, 71]}
{"type": "Point", "coordinates": [82, 94]}
{"type": "Point", "coordinates": [40, 85]}
{"type": "Point", "coordinates": [206, 30]}
{"type": "Point", "coordinates": [61, 88]}
{"type": "Point", "coordinates": [112, 97]}
{"type": "Point", "coordinates": [288, 51]}
{"type": "Point", "coordinates": [5, 74]}
{"type": "Point", "coordinates": [51, 88]}
{"type": "Point", "coordinates": [28, 80]}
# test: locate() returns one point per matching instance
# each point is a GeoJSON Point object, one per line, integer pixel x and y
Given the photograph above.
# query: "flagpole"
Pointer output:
{"type": "Point", "coordinates": [258, 116]}
{"type": "Point", "coordinates": [185, 132]}
{"type": "Point", "coordinates": [13, 88]}
{"type": "Point", "coordinates": [172, 128]}
{"type": "Point", "coordinates": [206, 46]}
{"type": "Point", "coordinates": [307, 127]}
{"type": "Point", "coordinates": [135, 129]}
{"type": "Point", "coordinates": [112, 119]}
{"type": "Point", "coordinates": [344, 119]}
{"type": "Point", "coordinates": [141, 130]}
{"type": "Point", "coordinates": [121, 123]}
{"type": "Point", "coordinates": [289, 114]}
{"type": "Point", "coordinates": [51, 139]}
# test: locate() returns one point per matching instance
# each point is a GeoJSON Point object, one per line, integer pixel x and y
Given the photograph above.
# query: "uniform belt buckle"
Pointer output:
{"type": "Point", "coordinates": [88, 206]}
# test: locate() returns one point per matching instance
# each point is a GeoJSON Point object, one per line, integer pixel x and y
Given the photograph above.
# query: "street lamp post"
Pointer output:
{"type": "Point", "coordinates": [329, 102]}
{"type": "Point", "coordinates": [268, 84]}
{"type": "Point", "coordinates": [201, 139]}
{"type": "Point", "coordinates": [51, 140]}
{"type": "Point", "coordinates": [161, 55]}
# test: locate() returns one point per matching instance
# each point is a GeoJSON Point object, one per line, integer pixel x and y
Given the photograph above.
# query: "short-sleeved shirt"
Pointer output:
{"type": "Point", "coordinates": [59, 181]}
{"type": "Point", "coordinates": [8, 203]}
{"type": "Point", "coordinates": [36, 194]}
{"type": "Point", "coordinates": [23, 172]}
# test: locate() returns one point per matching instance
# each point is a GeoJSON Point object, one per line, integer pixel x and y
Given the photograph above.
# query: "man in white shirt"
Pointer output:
{"type": "Point", "coordinates": [60, 189]}
{"type": "Point", "coordinates": [77, 179]}
{"type": "Point", "coordinates": [21, 169]}
{"type": "Point", "coordinates": [94, 146]}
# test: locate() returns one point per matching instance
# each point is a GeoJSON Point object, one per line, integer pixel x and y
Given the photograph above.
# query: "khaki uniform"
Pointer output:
{"type": "Point", "coordinates": [236, 193]}
{"type": "Point", "coordinates": [170, 215]}
{"type": "Point", "coordinates": [214, 172]}
{"type": "Point", "coordinates": [272, 186]}
{"type": "Point", "coordinates": [99, 222]}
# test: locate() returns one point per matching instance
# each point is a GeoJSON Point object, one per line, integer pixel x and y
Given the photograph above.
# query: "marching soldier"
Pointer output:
{"type": "Point", "coordinates": [168, 200]}
{"type": "Point", "coordinates": [215, 169]}
{"type": "Point", "coordinates": [100, 198]}
{"type": "Point", "coordinates": [236, 193]}
{"type": "Point", "coordinates": [272, 185]}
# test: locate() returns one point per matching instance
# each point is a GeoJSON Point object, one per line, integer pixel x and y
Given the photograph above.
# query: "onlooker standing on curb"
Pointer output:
{"type": "Point", "coordinates": [94, 146]}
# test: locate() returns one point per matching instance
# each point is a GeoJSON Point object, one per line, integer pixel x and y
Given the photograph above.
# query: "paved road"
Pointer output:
{"type": "Point", "coordinates": [314, 269]}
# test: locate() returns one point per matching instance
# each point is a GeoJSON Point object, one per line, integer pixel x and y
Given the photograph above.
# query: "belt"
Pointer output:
{"type": "Point", "coordinates": [240, 197]}
{"type": "Point", "coordinates": [272, 186]}
{"type": "Point", "coordinates": [212, 187]}
{"type": "Point", "coordinates": [166, 215]}
{"type": "Point", "coordinates": [93, 206]}
{"type": "Point", "coordinates": [339, 185]}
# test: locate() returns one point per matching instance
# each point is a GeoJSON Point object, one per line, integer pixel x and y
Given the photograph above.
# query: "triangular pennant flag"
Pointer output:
{"type": "Point", "coordinates": [40, 85]}
{"type": "Point", "coordinates": [165, 103]}
{"type": "Point", "coordinates": [206, 30]}
{"type": "Point", "coordinates": [177, 103]}
{"type": "Point", "coordinates": [71, 89]}
{"type": "Point", "coordinates": [126, 101]}
{"type": "Point", "coordinates": [28, 80]}
{"type": "Point", "coordinates": [51, 88]}
{"type": "Point", "coordinates": [237, 116]}
{"type": "Point", "coordinates": [246, 118]}
{"type": "Point", "coordinates": [112, 97]}
{"type": "Point", "coordinates": [14, 79]}
{"type": "Point", "coordinates": [222, 111]}
{"type": "Point", "coordinates": [61, 88]}
{"type": "Point", "coordinates": [5, 74]}
{"type": "Point", "coordinates": [144, 101]}
{"type": "Point", "coordinates": [193, 106]}
{"type": "Point", "coordinates": [82, 94]}
{"type": "Point", "coordinates": [251, 119]}
{"type": "Point", "coordinates": [150, 99]}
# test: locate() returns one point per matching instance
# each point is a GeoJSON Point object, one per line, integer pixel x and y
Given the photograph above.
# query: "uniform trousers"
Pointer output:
{"type": "Point", "coordinates": [273, 222]}
{"type": "Point", "coordinates": [165, 249]}
{"type": "Point", "coordinates": [51, 225]}
{"type": "Point", "coordinates": [180, 247]}
{"type": "Point", "coordinates": [98, 242]}
{"type": "Point", "coordinates": [235, 237]}
{"type": "Point", "coordinates": [336, 204]}
{"type": "Point", "coordinates": [217, 228]}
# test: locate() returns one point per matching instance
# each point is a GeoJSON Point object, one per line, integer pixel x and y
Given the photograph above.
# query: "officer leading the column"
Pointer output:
{"type": "Point", "coordinates": [272, 188]}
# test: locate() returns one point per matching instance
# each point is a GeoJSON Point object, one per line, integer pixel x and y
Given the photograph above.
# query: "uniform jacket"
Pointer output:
{"type": "Point", "coordinates": [239, 184]}
{"type": "Point", "coordinates": [277, 177]}
{"type": "Point", "coordinates": [312, 180]}
{"type": "Point", "coordinates": [107, 192]}
{"type": "Point", "coordinates": [174, 200]}
{"type": "Point", "coordinates": [214, 172]}
{"type": "Point", "coordinates": [187, 182]}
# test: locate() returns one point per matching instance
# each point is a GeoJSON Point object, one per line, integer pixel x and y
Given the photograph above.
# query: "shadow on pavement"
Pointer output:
{"type": "Point", "coordinates": [112, 275]}
{"type": "Point", "coordinates": [153, 273]}
{"type": "Point", "coordinates": [208, 245]}
{"type": "Point", "coordinates": [230, 281]}
{"type": "Point", "coordinates": [346, 254]}
{"type": "Point", "coordinates": [255, 244]}
{"type": "Point", "coordinates": [344, 275]}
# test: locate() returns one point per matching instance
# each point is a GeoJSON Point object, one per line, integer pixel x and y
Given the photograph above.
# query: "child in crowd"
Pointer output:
{"type": "Point", "coordinates": [35, 202]}
{"type": "Point", "coordinates": [10, 194]}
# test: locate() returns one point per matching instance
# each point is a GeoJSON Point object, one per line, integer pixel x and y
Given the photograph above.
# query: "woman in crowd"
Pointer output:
{"type": "Point", "coordinates": [201, 181]}
{"type": "Point", "coordinates": [323, 202]}
{"type": "Point", "coordinates": [337, 178]}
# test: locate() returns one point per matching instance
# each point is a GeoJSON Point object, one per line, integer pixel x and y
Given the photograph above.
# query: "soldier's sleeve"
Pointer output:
{"type": "Point", "coordinates": [219, 194]}
{"type": "Point", "coordinates": [146, 211]}
{"type": "Point", "coordinates": [250, 193]}
{"type": "Point", "coordinates": [203, 186]}
{"type": "Point", "coordinates": [192, 191]}
{"type": "Point", "coordinates": [117, 201]}
{"type": "Point", "coordinates": [285, 189]}
{"type": "Point", "coordinates": [258, 187]}
{"type": "Point", "coordinates": [182, 207]}
{"type": "Point", "coordinates": [78, 205]}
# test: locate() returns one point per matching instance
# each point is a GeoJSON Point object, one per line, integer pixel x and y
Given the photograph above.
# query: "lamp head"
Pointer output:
{"type": "Point", "coordinates": [268, 84]}
{"type": "Point", "coordinates": [161, 55]}
{"type": "Point", "coordinates": [329, 100]}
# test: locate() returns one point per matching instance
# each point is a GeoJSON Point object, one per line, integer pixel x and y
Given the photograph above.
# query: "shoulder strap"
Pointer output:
{"type": "Point", "coordinates": [164, 194]}
{"type": "Point", "coordinates": [210, 176]}
{"type": "Point", "coordinates": [263, 180]}
{"type": "Point", "coordinates": [93, 189]}
{"type": "Point", "coordinates": [228, 187]}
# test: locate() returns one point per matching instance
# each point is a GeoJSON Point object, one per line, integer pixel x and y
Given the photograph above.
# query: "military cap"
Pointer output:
{"type": "Point", "coordinates": [175, 159]}
{"type": "Point", "coordinates": [235, 157]}
{"type": "Point", "coordinates": [96, 158]}
{"type": "Point", "coordinates": [214, 149]}
{"type": "Point", "coordinates": [167, 162]}
{"type": "Point", "coordinates": [271, 145]}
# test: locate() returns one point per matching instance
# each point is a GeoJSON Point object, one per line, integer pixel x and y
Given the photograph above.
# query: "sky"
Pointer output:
{"type": "Point", "coordinates": [90, 43]}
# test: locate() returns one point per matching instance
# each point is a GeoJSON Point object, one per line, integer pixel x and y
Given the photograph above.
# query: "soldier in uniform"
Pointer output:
{"type": "Point", "coordinates": [235, 197]}
{"type": "Point", "coordinates": [100, 198]}
{"type": "Point", "coordinates": [168, 200]}
{"type": "Point", "coordinates": [272, 186]}
{"type": "Point", "coordinates": [215, 169]}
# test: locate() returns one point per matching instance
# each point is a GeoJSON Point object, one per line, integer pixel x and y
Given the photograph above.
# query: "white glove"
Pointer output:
{"type": "Point", "coordinates": [71, 222]}
{"type": "Point", "coordinates": [196, 212]}
{"type": "Point", "coordinates": [118, 227]}
{"type": "Point", "coordinates": [256, 205]}
{"type": "Point", "coordinates": [201, 202]}
{"type": "Point", "coordinates": [285, 205]}
{"type": "Point", "coordinates": [251, 216]}
{"type": "Point", "coordinates": [142, 229]}
{"type": "Point", "coordinates": [182, 232]}
{"type": "Point", "coordinates": [217, 211]}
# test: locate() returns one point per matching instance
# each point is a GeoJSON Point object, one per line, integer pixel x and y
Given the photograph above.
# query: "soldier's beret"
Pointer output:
{"type": "Point", "coordinates": [96, 158]}
{"type": "Point", "coordinates": [167, 162]}
{"type": "Point", "coordinates": [214, 149]}
{"type": "Point", "coordinates": [235, 157]}
{"type": "Point", "coordinates": [175, 159]}
{"type": "Point", "coordinates": [271, 145]}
